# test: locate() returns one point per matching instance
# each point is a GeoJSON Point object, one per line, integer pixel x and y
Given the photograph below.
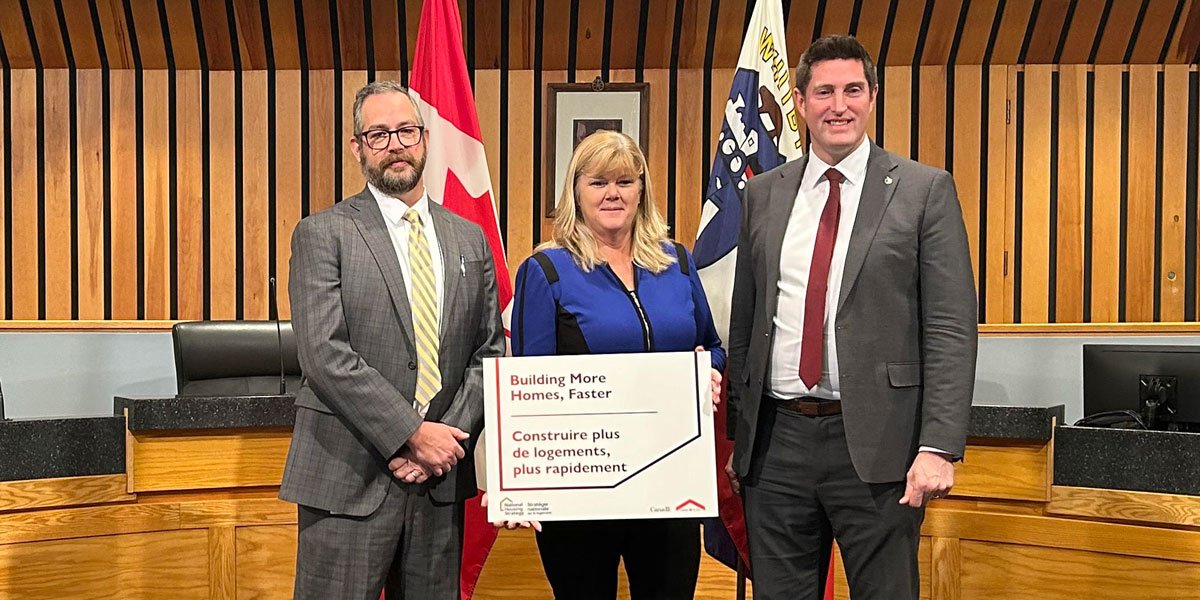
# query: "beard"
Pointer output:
{"type": "Point", "coordinates": [393, 184]}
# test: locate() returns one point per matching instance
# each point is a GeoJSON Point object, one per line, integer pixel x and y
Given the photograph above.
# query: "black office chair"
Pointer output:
{"type": "Point", "coordinates": [235, 358]}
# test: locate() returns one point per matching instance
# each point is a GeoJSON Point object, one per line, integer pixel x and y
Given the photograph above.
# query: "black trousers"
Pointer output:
{"type": "Point", "coordinates": [662, 558]}
{"type": "Point", "coordinates": [802, 492]}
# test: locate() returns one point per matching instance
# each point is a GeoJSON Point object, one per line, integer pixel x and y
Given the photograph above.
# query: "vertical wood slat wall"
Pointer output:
{"type": "Point", "coordinates": [173, 194]}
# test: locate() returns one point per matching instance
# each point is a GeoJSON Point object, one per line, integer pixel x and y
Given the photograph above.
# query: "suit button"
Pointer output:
{"type": "Point", "coordinates": [412, 365]}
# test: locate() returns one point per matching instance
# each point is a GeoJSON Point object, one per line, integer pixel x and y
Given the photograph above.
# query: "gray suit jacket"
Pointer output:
{"type": "Point", "coordinates": [906, 321]}
{"type": "Point", "coordinates": [354, 334]}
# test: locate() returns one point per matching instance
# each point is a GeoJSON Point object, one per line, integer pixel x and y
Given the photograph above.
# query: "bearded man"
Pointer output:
{"type": "Point", "coordinates": [394, 306]}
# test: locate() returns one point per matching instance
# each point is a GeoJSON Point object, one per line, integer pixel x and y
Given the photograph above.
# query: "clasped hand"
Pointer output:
{"type": "Point", "coordinates": [431, 451]}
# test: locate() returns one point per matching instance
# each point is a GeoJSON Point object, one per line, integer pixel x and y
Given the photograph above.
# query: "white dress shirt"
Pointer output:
{"type": "Point", "coordinates": [393, 210]}
{"type": "Point", "coordinates": [798, 242]}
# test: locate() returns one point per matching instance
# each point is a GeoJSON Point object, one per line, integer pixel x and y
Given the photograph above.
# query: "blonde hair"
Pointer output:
{"type": "Point", "coordinates": [609, 154]}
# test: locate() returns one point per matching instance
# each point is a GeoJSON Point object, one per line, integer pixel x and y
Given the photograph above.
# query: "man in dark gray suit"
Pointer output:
{"type": "Point", "coordinates": [394, 306]}
{"type": "Point", "coordinates": [852, 346]}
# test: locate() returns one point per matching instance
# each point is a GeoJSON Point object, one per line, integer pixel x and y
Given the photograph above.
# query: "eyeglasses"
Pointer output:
{"type": "Point", "coordinates": [378, 139]}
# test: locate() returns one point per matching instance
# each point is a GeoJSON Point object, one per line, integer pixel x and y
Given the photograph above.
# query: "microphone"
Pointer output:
{"type": "Point", "coordinates": [278, 338]}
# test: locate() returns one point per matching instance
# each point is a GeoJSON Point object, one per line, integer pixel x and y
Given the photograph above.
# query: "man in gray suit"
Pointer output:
{"type": "Point", "coordinates": [394, 306]}
{"type": "Point", "coordinates": [852, 346]}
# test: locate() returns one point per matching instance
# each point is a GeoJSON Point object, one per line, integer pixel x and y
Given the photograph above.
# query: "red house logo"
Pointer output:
{"type": "Point", "coordinates": [689, 505]}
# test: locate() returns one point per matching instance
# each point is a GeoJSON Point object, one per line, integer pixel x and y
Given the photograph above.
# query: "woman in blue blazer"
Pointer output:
{"type": "Point", "coordinates": [612, 281]}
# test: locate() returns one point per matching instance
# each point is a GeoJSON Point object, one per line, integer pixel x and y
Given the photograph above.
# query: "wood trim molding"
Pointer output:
{"type": "Point", "coordinates": [1083, 329]}
{"type": "Point", "coordinates": [61, 492]}
{"type": "Point", "coordinates": [86, 325]}
{"type": "Point", "coordinates": [1142, 507]}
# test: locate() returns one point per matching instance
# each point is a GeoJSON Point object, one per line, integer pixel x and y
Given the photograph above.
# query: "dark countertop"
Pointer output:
{"type": "Point", "coordinates": [207, 412]}
{"type": "Point", "coordinates": [1127, 459]}
{"type": "Point", "coordinates": [1015, 422]}
{"type": "Point", "coordinates": [67, 447]}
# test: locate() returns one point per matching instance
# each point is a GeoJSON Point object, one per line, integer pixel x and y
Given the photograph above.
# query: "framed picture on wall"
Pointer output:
{"type": "Point", "coordinates": [577, 110]}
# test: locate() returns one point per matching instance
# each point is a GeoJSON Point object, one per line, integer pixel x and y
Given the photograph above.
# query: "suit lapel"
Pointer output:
{"type": "Point", "coordinates": [451, 256]}
{"type": "Point", "coordinates": [881, 182]}
{"type": "Point", "coordinates": [778, 212]}
{"type": "Point", "coordinates": [373, 228]}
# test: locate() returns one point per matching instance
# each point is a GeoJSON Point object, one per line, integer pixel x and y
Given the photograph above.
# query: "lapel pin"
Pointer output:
{"type": "Point", "coordinates": [887, 180]}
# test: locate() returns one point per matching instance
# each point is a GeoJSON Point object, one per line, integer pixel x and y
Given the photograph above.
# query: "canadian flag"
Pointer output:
{"type": "Point", "coordinates": [456, 173]}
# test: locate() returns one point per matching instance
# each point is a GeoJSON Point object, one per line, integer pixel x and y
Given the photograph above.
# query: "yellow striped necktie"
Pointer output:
{"type": "Point", "coordinates": [424, 309]}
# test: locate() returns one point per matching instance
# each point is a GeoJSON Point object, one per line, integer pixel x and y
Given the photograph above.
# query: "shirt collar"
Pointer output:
{"type": "Point", "coordinates": [853, 168]}
{"type": "Point", "coordinates": [393, 209]}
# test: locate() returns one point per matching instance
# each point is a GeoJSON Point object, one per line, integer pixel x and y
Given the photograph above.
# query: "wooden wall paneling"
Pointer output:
{"type": "Point", "coordinates": [1011, 270]}
{"type": "Point", "coordinates": [222, 563]}
{"type": "Point", "coordinates": [487, 107]}
{"type": "Point", "coordinates": [625, 33]}
{"type": "Point", "coordinates": [1174, 192]}
{"type": "Point", "coordinates": [968, 157]}
{"type": "Point", "coordinates": [945, 568]}
{"type": "Point", "coordinates": [689, 158]}
{"type": "Point", "coordinates": [1118, 30]}
{"type": "Point", "coordinates": [180, 26]}
{"type": "Point", "coordinates": [146, 26]}
{"type": "Point", "coordinates": [89, 110]}
{"type": "Point", "coordinates": [1017, 15]}
{"type": "Point", "coordinates": [266, 561]}
{"type": "Point", "coordinates": [1106, 194]}
{"type": "Point", "coordinates": [385, 33]}
{"type": "Point", "coordinates": [249, 506]}
{"type": "Point", "coordinates": [25, 173]}
{"type": "Point", "coordinates": [1139, 219]}
{"type": "Point", "coordinates": [1160, 15]}
{"type": "Point", "coordinates": [1083, 31]}
{"type": "Point", "coordinates": [837, 20]}
{"type": "Point", "coordinates": [931, 116]}
{"type": "Point", "coordinates": [317, 36]}
{"type": "Point", "coordinates": [59, 226]}
{"type": "Point", "coordinates": [998, 295]}
{"type": "Point", "coordinates": [943, 28]}
{"type": "Point", "coordinates": [256, 172]}
{"type": "Point", "coordinates": [49, 35]}
{"type": "Point", "coordinates": [222, 212]}
{"type": "Point", "coordinates": [189, 231]}
{"type": "Point", "coordinates": [288, 177]}
{"type": "Point", "coordinates": [352, 178]}
{"type": "Point", "coordinates": [83, 38]}
{"type": "Point", "coordinates": [902, 44]}
{"type": "Point", "coordinates": [976, 30]}
{"type": "Point", "coordinates": [801, 17]}
{"type": "Point", "coordinates": [1012, 472]}
{"type": "Point", "coordinates": [521, 162]}
{"type": "Point", "coordinates": [163, 564]}
{"type": "Point", "coordinates": [352, 35]}
{"type": "Point", "coordinates": [1035, 194]}
{"type": "Point", "coordinates": [248, 35]}
{"type": "Point", "coordinates": [1071, 140]}
{"type": "Point", "coordinates": [589, 37]}
{"type": "Point", "coordinates": [285, 38]}
{"type": "Point", "coordinates": [413, 17]}
{"type": "Point", "coordinates": [555, 34]}
{"type": "Point", "coordinates": [1061, 574]}
{"type": "Point", "coordinates": [871, 24]}
{"type": "Point", "coordinates": [896, 94]}
{"type": "Point", "coordinates": [660, 114]}
{"type": "Point", "coordinates": [16, 40]}
{"type": "Point", "coordinates": [156, 174]}
{"type": "Point", "coordinates": [1047, 31]}
{"type": "Point", "coordinates": [116, 37]}
{"type": "Point", "coordinates": [123, 174]}
{"type": "Point", "coordinates": [324, 153]}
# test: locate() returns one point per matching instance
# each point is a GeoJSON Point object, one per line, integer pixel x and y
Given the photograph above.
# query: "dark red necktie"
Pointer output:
{"type": "Point", "coordinates": [812, 343]}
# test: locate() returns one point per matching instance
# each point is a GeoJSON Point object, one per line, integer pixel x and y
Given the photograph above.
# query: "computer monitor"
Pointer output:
{"type": "Point", "coordinates": [1159, 383]}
